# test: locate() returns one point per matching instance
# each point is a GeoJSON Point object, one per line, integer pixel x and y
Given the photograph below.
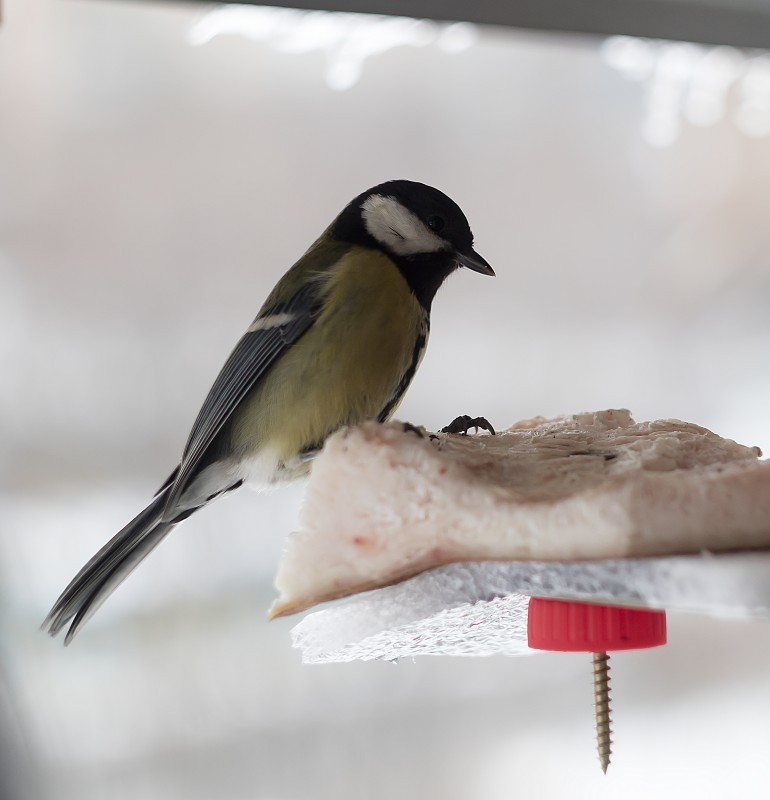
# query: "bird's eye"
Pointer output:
{"type": "Point", "coordinates": [436, 223]}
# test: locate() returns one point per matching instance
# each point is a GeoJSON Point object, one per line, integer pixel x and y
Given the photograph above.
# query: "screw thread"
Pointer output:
{"type": "Point", "coordinates": [602, 708]}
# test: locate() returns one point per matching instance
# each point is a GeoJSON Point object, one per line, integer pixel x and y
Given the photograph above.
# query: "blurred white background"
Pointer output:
{"type": "Point", "coordinates": [152, 190]}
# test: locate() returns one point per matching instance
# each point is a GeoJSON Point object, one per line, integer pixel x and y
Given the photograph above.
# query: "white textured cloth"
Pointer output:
{"type": "Point", "coordinates": [480, 609]}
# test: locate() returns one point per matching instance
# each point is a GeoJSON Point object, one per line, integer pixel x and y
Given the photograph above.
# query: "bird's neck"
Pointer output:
{"type": "Point", "coordinates": [425, 274]}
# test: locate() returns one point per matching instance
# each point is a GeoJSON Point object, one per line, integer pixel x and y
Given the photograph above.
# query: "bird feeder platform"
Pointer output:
{"type": "Point", "coordinates": [434, 544]}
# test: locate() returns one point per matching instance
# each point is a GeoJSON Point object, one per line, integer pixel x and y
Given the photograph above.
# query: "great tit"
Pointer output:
{"type": "Point", "coordinates": [337, 342]}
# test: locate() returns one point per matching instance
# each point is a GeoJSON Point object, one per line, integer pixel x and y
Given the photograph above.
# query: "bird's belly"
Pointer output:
{"type": "Point", "coordinates": [267, 468]}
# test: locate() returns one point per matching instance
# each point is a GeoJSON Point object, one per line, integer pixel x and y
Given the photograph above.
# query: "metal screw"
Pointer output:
{"type": "Point", "coordinates": [602, 709]}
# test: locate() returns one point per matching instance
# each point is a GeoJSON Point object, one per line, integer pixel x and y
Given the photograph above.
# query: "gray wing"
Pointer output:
{"type": "Point", "coordinates": [249, 361]}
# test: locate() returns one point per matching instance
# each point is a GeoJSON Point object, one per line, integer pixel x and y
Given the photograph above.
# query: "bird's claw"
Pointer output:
{"type": "Point", "coordinates": [407, 427]}
{"type": "Point", "coordinates": [464, 423]}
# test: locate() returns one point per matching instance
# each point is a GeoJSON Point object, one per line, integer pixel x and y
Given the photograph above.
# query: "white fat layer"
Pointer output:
{"type": "Point", "coordinates": [397, 228]}
{"type": "Point", "coordinates": [271, 321]}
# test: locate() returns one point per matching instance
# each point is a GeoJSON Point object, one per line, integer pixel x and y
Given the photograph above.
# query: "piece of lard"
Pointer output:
{"type": "Point", "coordinates": [383, 504]}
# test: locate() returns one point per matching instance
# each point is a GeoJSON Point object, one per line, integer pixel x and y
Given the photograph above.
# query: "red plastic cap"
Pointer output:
{"type": "Point", "coordinates": [573, 627]}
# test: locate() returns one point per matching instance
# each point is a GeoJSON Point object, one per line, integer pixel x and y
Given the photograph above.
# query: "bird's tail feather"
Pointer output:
{"type": "Point", "coordinates": [107, 569]}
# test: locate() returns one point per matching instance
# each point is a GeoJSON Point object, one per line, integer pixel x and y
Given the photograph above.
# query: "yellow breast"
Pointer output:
{"type": "Point", "coordinates": [349, 364]}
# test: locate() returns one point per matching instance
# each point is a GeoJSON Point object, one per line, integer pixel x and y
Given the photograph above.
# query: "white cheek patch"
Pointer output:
{"type": "Point", "coordinates": [398, 229]}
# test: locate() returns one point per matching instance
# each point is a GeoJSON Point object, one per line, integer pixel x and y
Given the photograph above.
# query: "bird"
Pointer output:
{"type": "Point", "coordinates": [336, 343]}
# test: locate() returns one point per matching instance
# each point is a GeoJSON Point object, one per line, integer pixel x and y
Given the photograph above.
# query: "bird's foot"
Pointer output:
{"type": "Point", "coordinates": [464, 423]}
{"type": "Point", "coordinates": [407, 427]}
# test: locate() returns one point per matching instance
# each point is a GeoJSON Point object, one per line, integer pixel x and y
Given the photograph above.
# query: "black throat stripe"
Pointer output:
{"type": "Point", "coordinates": [419, 347]}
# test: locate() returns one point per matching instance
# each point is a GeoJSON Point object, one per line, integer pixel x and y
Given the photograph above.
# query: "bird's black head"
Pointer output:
{"type": "Point", "coordinates": [419, 227]}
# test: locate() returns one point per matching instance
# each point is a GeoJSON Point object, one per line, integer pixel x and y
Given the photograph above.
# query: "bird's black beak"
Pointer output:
{"type": "Point", "coordinates": [472, 260]}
